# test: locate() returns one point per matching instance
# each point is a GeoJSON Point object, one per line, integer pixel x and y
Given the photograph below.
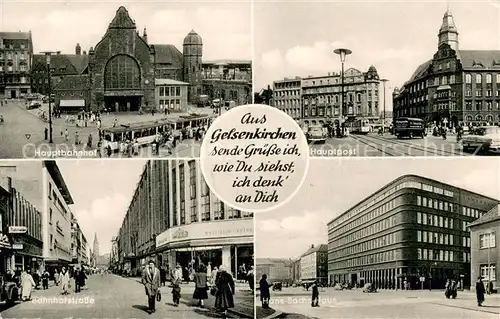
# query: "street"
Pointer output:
{"type": "Point", "coordinates": [296, 303]}
{"type": "Point", "coordinates": [388, 145]}
{"type": "Point", "coordinates": [111, 296]}
{"type": "Point", "coordinates": [23, 132]}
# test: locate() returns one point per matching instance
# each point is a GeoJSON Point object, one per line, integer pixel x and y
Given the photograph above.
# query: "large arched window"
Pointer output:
{"type": "Point", "coordinates": [122, 72]}
{"type": "Point", "coordinates": [468, 78]}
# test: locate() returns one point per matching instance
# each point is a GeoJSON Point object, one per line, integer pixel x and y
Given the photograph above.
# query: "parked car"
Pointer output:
{"type": "Point", "coordinates": [9, 291]}
{"type": "Point", "coordinates": [316, 134]}
{"type": "Point", "coordinates": [33, 105]}
{"type": "Point", "coordinates": [277, 286]}
{"type": "Point", "coordinates": [485, 138]}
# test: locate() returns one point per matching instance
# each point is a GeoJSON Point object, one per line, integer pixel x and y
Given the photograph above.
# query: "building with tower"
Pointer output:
{"type": "Point", "coordinates": [119, 73]}
{"type": "Point", "coordinates": [455, 86]}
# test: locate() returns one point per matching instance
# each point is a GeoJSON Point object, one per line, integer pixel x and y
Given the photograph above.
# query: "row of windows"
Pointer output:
{"type": "Point", "coordinates": [292, 92]}
{"type": "Point", "coordinates": [22, 55]}
{"type": "Point", "coordinates": [169, 91]}
{"type": "Point", "coordinates": [445, 80]}
{"type": "Point", "coordinates": [389, 192]}
{"type": "Point", "coordinates": [320, 110]}
{"type": "Point", "coordinates": [322, 99]}
{"type": "Point", "coordinates": [479, 106]}
{"type": "Point", "coordinates": [434, 238]}
{"type": "Point", "coordinates": [23, 213]}
{"type": "Point", "coordinates": [479, 78]}
{"type": "Point", "coordinates": [386, 256]}
{"type": "Point", "coordinates": [435, 254]}
{"type": "Point", "coordinates": [172, 104]}
{"type": "Point", "coordinates": [10, 68]}
{"type": "Point", "coordinates": [281, 103]}
{"type": "Point", "coordinates": [434, 220]}
{"type": "Point", "coordinates": [370, 230]}
{"type": "Point", "coordinates": [11, 46]}
{"type": "Point", "coordinates": [471, 212]}
{"type": "Point", "coordinates": [376, 243]}
{"type": "Point", "coordinates": [435, 204]}
{"type": "Point", "coordinates": [479, 93]}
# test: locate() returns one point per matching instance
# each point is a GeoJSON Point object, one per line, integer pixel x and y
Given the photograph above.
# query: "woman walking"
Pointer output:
{"type": "Point", "coordinates": [224, 285]}
{"type": "Point", "coordinates": [64, 280]}
{"type": "Point", "coordinates": [201, 287]}
{"type": "Point", "coordinates": [27, 284]}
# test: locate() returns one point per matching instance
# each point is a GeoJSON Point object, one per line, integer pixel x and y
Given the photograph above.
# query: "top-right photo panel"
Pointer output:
{"type": "Point", "coordinates": [383, 78]}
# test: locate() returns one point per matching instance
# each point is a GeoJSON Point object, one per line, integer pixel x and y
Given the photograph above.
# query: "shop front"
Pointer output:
{"type": "Point", "coordinates": [228, 243]}
{"type": "Point", "coordinates": [5, 254]}
{"type": "Point", "coordinates": [27, 253]}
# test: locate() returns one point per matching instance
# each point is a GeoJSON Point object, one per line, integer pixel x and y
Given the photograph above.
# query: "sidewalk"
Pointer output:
{"type": "Point", "coordinates": [243, 303]}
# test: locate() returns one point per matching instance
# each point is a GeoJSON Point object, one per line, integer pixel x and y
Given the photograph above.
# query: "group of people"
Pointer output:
{"type": "Point", "coordinates": [221, 286]}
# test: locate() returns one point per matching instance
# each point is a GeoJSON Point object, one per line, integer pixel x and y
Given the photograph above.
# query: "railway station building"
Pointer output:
{"type": "Point", "coordinates": [414, 230]}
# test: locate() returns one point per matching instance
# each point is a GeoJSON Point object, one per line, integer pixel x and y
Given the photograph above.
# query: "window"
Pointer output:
{"type": "Point", "coordinates": [478, 79]}
{"type": "Point", "coordinates": [182, 194]}
{"type": "Point", "coordinates": [424, 218]}
{"type": "Point", "coordinates": [419, 236]}
{"type": "Point", "coordinates": [162, 91]}
{"type": "Point", "coordinates": [424, 237]}
{"type": "Point", "coordinates": [419, 217]}
{"type": "Point", "coordinates": [419, 253]}
{"type": "Point", "coordinates": [192, 191]}
{"type": "Point", "coordinates": [488, 273]}
{"type": "Point", "coordinates": [487, 240]}
{"type": "Point", "coordinates": [122, 72]}
{"type": "Point", "coordinates": [468, 78]}
{"type": "Point", "coordinates": [419, 200]}
{"type": "Point", "coordinates": [489, 78]}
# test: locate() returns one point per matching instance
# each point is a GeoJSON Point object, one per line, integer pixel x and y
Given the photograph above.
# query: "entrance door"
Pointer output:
{"type": "Point", "coordinates": [123, 103]}
{"type": "Point", "coordinates": [354, 279]}
{"type": "Point", "coordinates": [13, 94]}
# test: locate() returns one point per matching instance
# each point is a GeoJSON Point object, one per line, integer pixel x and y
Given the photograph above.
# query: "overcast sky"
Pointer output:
{"type": "Point", "coordinates": [102, 191]}
{"type": "Point", "coordinates": [58, 25]}
{"type": "Point", "coordinates": [333, 186]}
{"type": "Point", "coordinates": [297, 39]}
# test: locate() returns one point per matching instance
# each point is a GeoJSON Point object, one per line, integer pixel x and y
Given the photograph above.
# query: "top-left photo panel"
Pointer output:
{"type": "Point", "coordinates": [81, 79]}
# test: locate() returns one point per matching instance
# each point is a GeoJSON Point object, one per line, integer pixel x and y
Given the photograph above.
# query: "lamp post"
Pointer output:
{"type": "Point", "coordinates": [383, 116]}
{"type": "Point", "coordinates": [430, 274]}
{"type": "Point", "coordinates": [47, 56]}
{"type": "Point", "coordinates": [342, 52]}
{"type": "Point", "coordinates": [221, 77]}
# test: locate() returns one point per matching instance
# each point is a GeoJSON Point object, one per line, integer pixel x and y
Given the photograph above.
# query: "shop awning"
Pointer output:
{"type": "Point", "coordinates": [197, 248]}
{"type": "Point", "coordinates": [72, 103]}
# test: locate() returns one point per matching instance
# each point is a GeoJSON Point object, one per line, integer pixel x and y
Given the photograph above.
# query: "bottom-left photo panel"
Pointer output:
{"type": "Point", "coordinates": [120, 239]}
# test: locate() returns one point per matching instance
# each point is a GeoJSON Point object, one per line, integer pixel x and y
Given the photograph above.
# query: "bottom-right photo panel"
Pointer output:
{"type": "Point", "coordinates": [384, 238]}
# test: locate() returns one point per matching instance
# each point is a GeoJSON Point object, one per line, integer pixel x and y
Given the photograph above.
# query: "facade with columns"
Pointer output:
{"type": "Point", "coordinates": [455, 86]}
{"type": "Point", "coordinates": [174, 218]}
{"type": "Point", "coordinates": [413, 230]}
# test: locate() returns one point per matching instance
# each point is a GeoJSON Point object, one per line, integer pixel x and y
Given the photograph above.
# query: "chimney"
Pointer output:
{"type": "Point", "coordinates": [78, 49]}
{"type": "Point", "coordinates": [145, 36]}
{"type": "Point", "coordinates": [58, 52]}
{"type": "Point", "coordinates": [312, 246]}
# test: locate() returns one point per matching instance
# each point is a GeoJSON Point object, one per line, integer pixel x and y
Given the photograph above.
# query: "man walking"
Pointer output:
{"type": "Point", "coordinates": [151, 282]}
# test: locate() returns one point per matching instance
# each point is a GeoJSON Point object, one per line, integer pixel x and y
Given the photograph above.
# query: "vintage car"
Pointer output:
{"type": "Point", "coordinates": [316, 134]}
{"type": "Point", "coordinates": [485, 138]}
{"type": "Point", "coordinates": [369, 287]}
{"type": "Point", "coordinates": [277, 286]}
{"type": "Point", "coordinates": [9, 291]}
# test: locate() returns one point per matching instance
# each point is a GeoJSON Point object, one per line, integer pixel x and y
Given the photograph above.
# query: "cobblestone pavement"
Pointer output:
{"type": "Point", "coordinates": [384, 304]}
{"type": "Point", "coordinates": [109, 296]}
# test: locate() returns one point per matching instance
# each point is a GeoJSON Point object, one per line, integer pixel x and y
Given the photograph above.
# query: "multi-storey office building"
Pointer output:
{"type": "Point", "coordinates": [16, 49]}
{"type": "Point", "coordinates": [455, 86]}
{"type": "Point", "coordinates": [485, 255]}
{"type": "Point", "coordinates": [174, 217]}
{"type": "Point", "coordinates": [287, 96]}
{"type": "Point", "coordinates": [314, 264]}
{"type": "Point", "coordinates": [410, 230]}
{"type": "Point", "coordinates": [321, 97]}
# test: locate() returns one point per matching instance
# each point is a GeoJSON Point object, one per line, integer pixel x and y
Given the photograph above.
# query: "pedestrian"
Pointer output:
{"type": "Point", "coordinates": [46, 133]}
{"type": "Point", "coordinates": [224, 291]}
{"type": "Point", "coordinates": [163, 276]}
{"type": "Point", "coordinates": [109, 151]}
{"type": "Point", "coordinates": [480, 291]}
{"type": "Point", "coordinates": [89, 142]}
{"type": "Point", "coordinates": [56, 278]}
{"type": "Point", "coordinates": [250, 278]}
{"type": "Point", "coordinates": [315, 294]}
{"type": "Point", "coordinates": [77, 139]}
{"type": "Point", "coordinates": [45, 280]}
{"type": "Point", "coordinates": [151, 282]}
{"type": "Point", "coordinates": [64, 280]}
{"type": "Point", "coordinates": [27, 285]}
{"type": "Point", "coordinates": [213, 276]}
{"type": "Point", "coordinates": [176, 280]}
{"type": "Point", "coordinates": [265, 294]}
{"type": "Point", "coordinates": [200, 284]}
{"type": "Point", "coordinates": [79, 280]}
{"type": "Point", "coordinates": [66, 135]}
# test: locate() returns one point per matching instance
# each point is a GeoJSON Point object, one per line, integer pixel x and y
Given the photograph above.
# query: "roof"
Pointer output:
{"type": "Point", "coordinates": [492, 215]}
{"type": "Point", "coordinates": [169, 82]}
{"type": "Point", "coordinates": [122, 20]}
{"type": "Point", "coordinates": [475, 58]}
{"type": "Point", "coordinates": [386, 186]}
{"type": "Point", "coordinates": [192, 39]}
{"type": "Point", "coordinates": [167, 54]}
{"type": "Point", "coordinates": [79, 61]}
{"type": "Point", "coordinates": [229, 62]}
{"type": "Point", "coordinates": [273, 261]}
{"type": "Point", "coordinates": [62, 64]}
{"type": "Point", "coordinates": [322, 247]}
{"type": "Point", "coordinates": [73, 82]}
{"type": "Point", "coordinates": [58, 179]}
{"type": "Point", "coordinates": [419, 72]}
{"type": "Point", "coordinates": [15, 35]}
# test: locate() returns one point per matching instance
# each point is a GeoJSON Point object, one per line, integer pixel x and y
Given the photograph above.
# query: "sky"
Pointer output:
{"type": "Point", "coordinates": [333, 186]}
{"type": "Point", "coordinates": [298, 38]}
{"type": "Point", "coordinates": [102, 191]}
{"type": "Point", "coordinates": [59, 25]}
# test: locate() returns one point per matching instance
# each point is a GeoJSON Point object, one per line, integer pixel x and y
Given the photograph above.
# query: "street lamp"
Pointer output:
{"type": "Point", "coordinates": [47, 56]}
{"type": "Point", "coordinates": [342, 54]}
{"type": "Point", "coordinates": [221, 77]}
{"type": "Point", "coordinates": [383, 117]}
{"type": "Point", "coordinates": [430, 274]}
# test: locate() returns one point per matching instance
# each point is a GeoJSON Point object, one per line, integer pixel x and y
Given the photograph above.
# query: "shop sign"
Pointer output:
{"type": "Point", "coordinates": [4, 241]}
{"type": "Point", "coordinates": [17, 246]}
{"type": "Point", "coordinates": [18, 229]}
{"type": "Point", "coordinates": [207, 230]}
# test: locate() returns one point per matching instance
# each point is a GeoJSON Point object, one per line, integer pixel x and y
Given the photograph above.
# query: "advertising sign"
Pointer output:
{"type": "Point", "coordinates": [17, 246]}
{"type": "Point", "coordinates": [18, 229]}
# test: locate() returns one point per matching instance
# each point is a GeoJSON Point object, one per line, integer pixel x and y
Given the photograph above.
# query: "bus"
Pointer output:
{"type": "Point", "coordinates": [360, 126]}
{"type": "Point", "coordinates": [409, 127]}
{"type": "Point", "coordinates": [146, 133]}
